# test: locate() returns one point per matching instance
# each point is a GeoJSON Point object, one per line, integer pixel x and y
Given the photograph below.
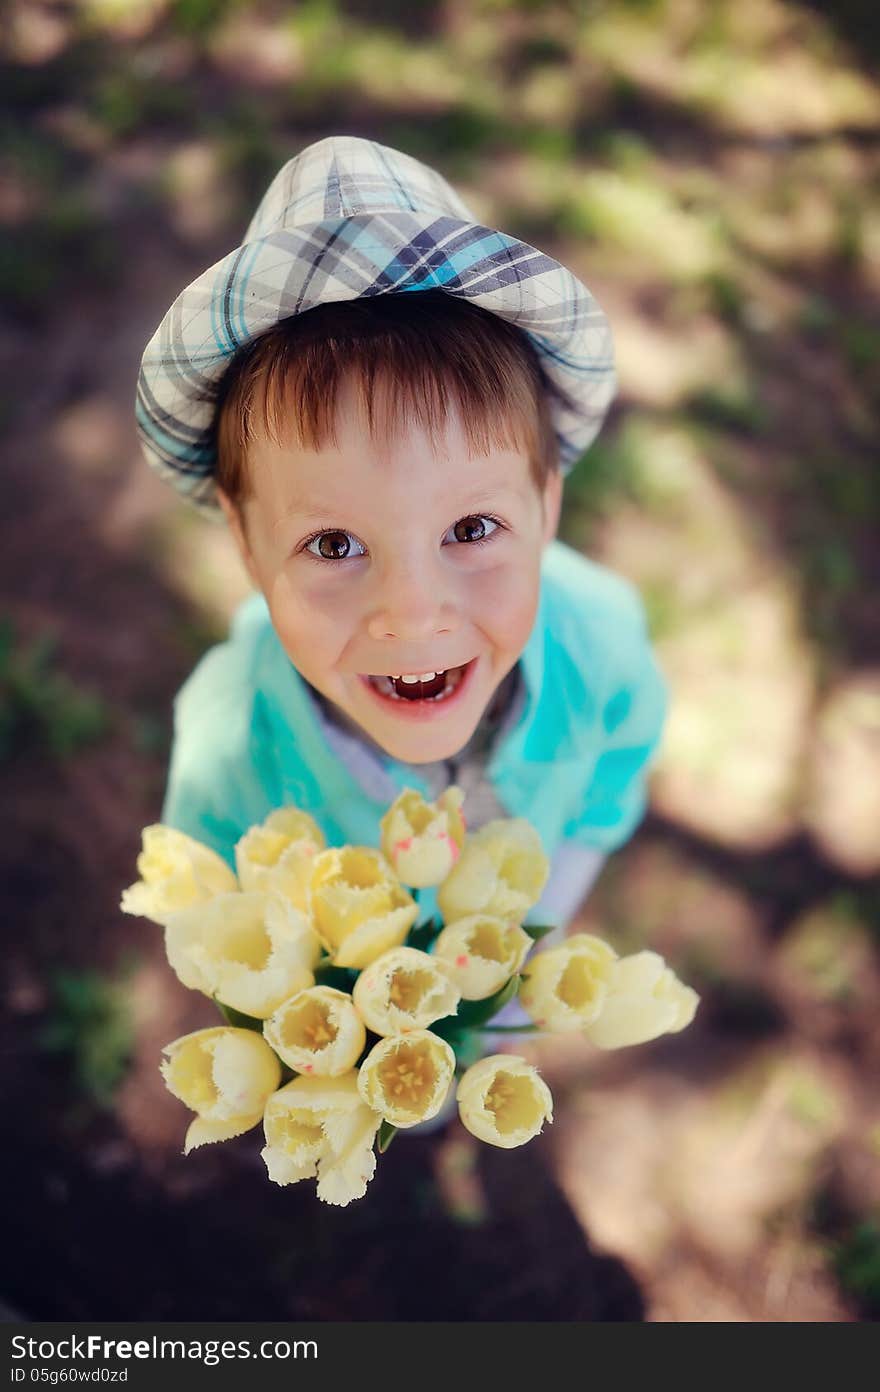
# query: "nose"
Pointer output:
{"type": "Point", "coordinates": [414, 601]}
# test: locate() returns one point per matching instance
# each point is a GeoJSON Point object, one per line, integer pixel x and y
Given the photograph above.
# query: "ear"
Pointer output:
{"type": "Point", "coordinates": [552, 500]}
{"type": "Point", "coordinates": [236, 525]}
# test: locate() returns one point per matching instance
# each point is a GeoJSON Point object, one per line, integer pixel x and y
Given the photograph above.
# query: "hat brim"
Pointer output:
{"type": "Point", "coordinates": [293, 270]}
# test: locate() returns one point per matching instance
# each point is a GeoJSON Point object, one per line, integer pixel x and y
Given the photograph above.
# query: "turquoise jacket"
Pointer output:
{"type": "Point", "coordinates": [247, 739]}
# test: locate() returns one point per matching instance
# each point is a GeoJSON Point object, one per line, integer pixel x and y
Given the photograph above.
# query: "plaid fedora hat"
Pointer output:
{"type": "Point", "coordinates": [343, 219]}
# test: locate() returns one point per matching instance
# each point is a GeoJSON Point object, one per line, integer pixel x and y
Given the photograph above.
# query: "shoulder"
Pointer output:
{"type": "Point", "coordinates": [598, 657]}
{"type": "Point", "coordinates": [220, 710]}
{"type": "Point", "coordinates": [581, 592]}
{"type": "Point", "coordinates": [216, 787]}
{"type": "Point", "coordinates": [226, 677]}
{"type": "Point", "coordinates": [594, 621]}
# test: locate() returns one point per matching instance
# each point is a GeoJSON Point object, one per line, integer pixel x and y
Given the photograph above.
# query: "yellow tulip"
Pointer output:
{"type": "Point", "coordinates": [278, 855]}
{"type": "Point", "coordinates": [479, 953]}
{"type": "Point", "coordinates": [504, 1101]}
{"type": "Point", "coordinates": [317, 1031]}
{"type": "Point", "coordinates": [225, 1076]}
{"type": "Point", "coordinates": [404, 990]}
{"type": "Point", "coordinates": [501, 871]}
{"type": "Point", "coordinates": [321, 1127]}
{"type": "Point", "coordinates": [406, 1077]}
{"type": "Point", "coordinates": [175, 872]}
{"type": "Point", "coordinates": [645, 999]}
{"type": "Point", "coordinates": [423, 840]}
{"type": "Point", "coordinates": [250, 950]}
{"type": "Point", "coordinates": [564, 988]}
{"type": "Point", "coordinates": [359, 906]}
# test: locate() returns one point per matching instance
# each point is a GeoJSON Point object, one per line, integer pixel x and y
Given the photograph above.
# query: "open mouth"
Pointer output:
{"type": "Point", "coordinates": [424, 686]}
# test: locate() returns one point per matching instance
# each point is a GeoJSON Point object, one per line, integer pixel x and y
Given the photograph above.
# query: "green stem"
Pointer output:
{"type": "Point", "coordinates": [505, 1029]}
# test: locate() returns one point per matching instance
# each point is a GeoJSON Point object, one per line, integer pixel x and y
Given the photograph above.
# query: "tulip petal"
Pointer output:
{"type": "Point", "coordinates": [225, 1075]}
{"type": "Point", "coordinates": [422, 840]}
{"type": "Point", "coordinates": [480, 953]}
{"type": "Point", "coordinates": [284, 1169]}
{"type": "Point", "coordinates": [359, 906]}
{"type": "Point", "coordinates": [406, 1078]}
{"type": "Point", "coordinates": [504, 1101]}
{"type": "Point", "coordinates": [564, 988]}
{"type": "Point", "coordinates": [374, 936]}
{"type": "Point", "coordinates": [277, 855]}
{"type": "Point", "coordinates": [403, 990]}
{"type": "Point", "coordinates": [251, 950]}
{"type": "Point", "coordinates": [645, 1000]}
{"type": "Point", "coordinates": [321, 1127]}
{"type": "Point", "coordinates": [317, 1031]}
{"type": "Point", "coordinates": [502, 871]}
{"type": "Point", "coordinates": [176, 871]}
{"type": "Point", "coordinates": [203, 1131]}
{"type": "Point", "coordinates": [345, 1171]}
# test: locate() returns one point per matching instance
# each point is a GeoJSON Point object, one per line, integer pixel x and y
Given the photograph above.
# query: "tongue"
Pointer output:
{"type": "Point", "coordinates": [418, 691]}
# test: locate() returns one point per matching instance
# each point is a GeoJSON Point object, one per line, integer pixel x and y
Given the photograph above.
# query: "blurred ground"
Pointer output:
{"type": "Point", "coordinates": [711, 170]}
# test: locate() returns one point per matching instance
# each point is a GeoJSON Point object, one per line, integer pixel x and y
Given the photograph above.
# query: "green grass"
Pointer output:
{"type": "Point", "coordinates": [738, 408]}
{"type": "Point", "coordinates": [608, 471]}
{"type": "Point", "coordinates": [726, 297]}
{"type": "Point", "coordinates": [124, 104]}
{"type": "Point", "coordinates": [37, 255]}
{"type": "Point", "coordinates": [41, 704]}
{"type": "Point", "coordinates": [663, 610]}
{"type": "Point", "coordinates": [250, 153]}
{"type": "Point", "coordinates": [89, 1022]}
{"type": "Point", "coordinates": [199, 18]}
{"type": "Point", "coordinates": [857, 1264]}
{"type": "Point", "coordinates": [860, 344]}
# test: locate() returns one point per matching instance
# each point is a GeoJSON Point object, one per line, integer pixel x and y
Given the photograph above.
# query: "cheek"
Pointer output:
{"type": "Point", "coordinates": [506, 602]}
{"type": "Point", "coordinates": [313, 626]}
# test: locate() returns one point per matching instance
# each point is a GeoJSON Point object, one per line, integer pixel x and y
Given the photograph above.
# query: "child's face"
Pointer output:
{"type": "Point", "coordinates": [413, 592]}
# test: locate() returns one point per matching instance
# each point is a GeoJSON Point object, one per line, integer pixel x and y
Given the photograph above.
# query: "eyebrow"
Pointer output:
{"type": "Point", "coordinates": [317, 512]}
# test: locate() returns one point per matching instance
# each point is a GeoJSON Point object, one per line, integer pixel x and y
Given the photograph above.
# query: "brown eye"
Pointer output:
{"type": "Point", "coordinates": [333, 546]}
{"type": "Point", "coordinates": [469, 529]}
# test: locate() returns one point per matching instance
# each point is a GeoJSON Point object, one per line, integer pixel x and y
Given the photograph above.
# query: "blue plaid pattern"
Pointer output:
{"type": "Point", "coordinates": [344, 219]}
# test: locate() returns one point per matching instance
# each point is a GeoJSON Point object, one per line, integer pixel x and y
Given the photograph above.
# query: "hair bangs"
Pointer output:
{"type": "Point", "coordinates": [411, 357]}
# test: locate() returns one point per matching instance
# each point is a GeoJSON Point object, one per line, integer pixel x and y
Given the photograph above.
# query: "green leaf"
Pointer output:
{"type": "Point", "coordinates": [474, 1013]}
{"type": "Point", "coordinates": [449, 1029]}
{"type": "Point", "coordinates": [237, 1018]}
{"type": "Point", "coordinates": [539, 930]}
{"type": "Point", "coordinates": [424, 934]}
{"type": "Point", "coordinates": [456, 1029]}
{"type": "Point", "coordinates": [342, 978]}
{"type": "Point", "coordinates": [469, 1049]}
{"type": "Point", "coordinates": [387, 1132]}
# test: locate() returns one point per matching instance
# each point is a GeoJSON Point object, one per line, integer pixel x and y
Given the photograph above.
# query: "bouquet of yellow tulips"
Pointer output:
{"type": "Point", "coordinates": [346, 1020]}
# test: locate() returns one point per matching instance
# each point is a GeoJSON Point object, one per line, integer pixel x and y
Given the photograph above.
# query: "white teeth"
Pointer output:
{"type": "Point", "coordinates": [411, 677]}
{"type": "Point", "coordinates": [385, 684]}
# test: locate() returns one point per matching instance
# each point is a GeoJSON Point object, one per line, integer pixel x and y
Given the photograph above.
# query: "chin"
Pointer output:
{"type": "Point", "coordinates": [419, 750]}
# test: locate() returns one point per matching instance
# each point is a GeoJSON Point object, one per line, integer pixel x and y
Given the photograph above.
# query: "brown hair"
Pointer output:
{"type": "Point", "coordinates": [424, 347]}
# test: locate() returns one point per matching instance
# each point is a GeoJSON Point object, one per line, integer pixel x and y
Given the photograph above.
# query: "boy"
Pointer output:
{"type": "Point", "coordinates": [383, 397]}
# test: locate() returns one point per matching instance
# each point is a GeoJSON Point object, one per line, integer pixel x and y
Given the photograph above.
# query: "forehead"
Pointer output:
{"type": "Point", "coordinates": [374, 470]}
